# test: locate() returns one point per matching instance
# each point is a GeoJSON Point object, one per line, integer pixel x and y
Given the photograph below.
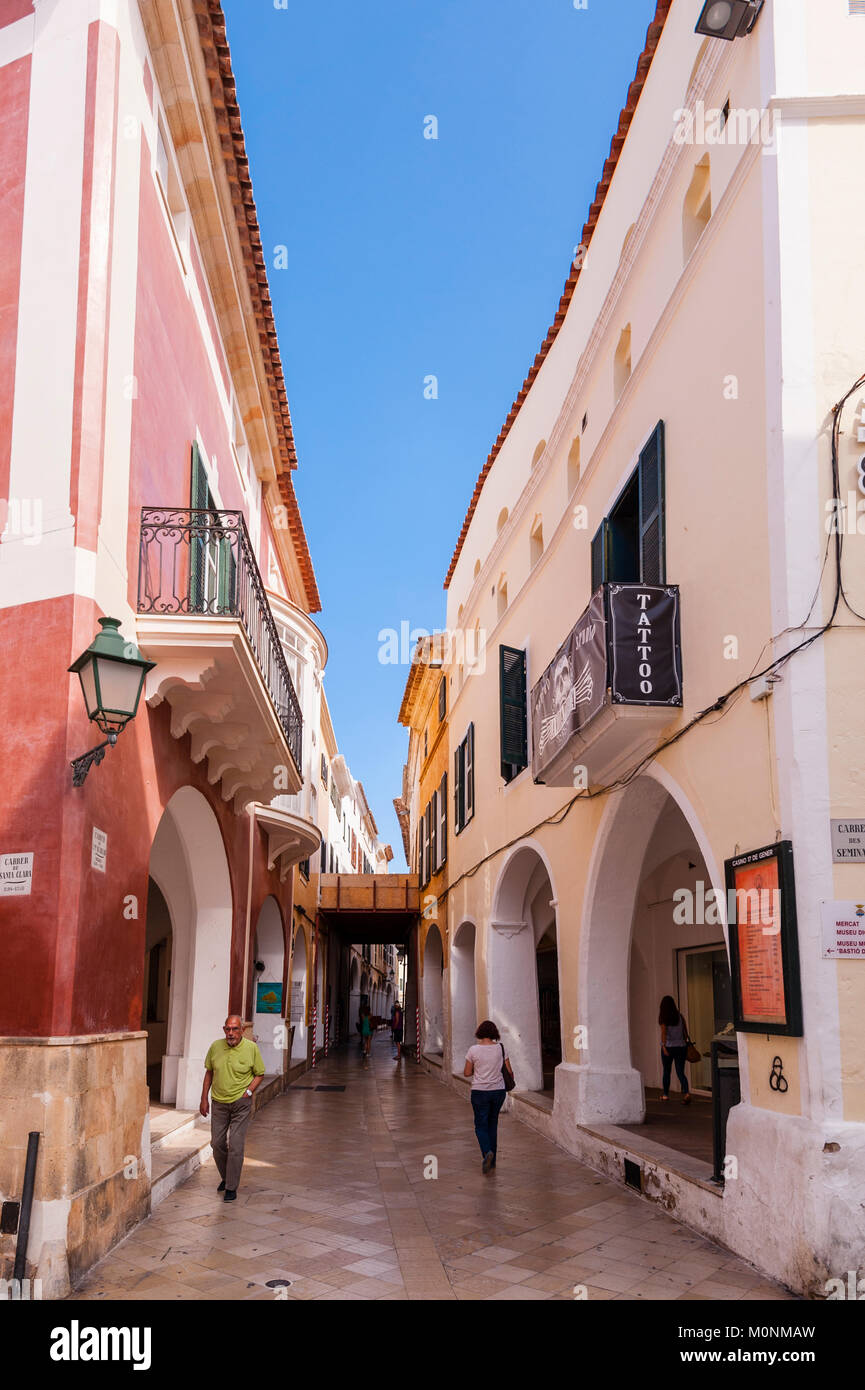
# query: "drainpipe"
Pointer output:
{"type": "Point", "coordinates": [26, 1205]}
{"type": "Point", "coordinates": [251, 815]}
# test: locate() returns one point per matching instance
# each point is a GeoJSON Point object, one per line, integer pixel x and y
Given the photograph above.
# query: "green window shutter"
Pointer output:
{"type": "Point", "coordinates": [199, 494]}
{"type": "Point", "coordinates": [459, 796]}
{"type": "Point", "coordinates": [443, 696]}
{"type": "Point", "coordinates": [470, 773]}
{"type": "Point", "coordinates": [227, 583]}
{"type": "Point", "coordinates": [433, 833]}
{"type": "Point", "coordinates": [512, 707]}
{"type": "Point", "coordinates": [653, 567]}
{"type": "Point", "coordinates": [601, 555]}
{"type": "Point", "coordinates": [443, 823]}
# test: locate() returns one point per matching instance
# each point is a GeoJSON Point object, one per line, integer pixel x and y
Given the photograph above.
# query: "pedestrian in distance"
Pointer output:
{"type": "Point", "coordinates": [674, 1047]}
{"type": "Point", "coordinates": [397, 1023]}
{"type": "Point", "coordinates": [233, 1069]}
{"type": "Point", "coordinates": [365, 1032]}
{"type": "Point", "coordinates": [486, 1061]}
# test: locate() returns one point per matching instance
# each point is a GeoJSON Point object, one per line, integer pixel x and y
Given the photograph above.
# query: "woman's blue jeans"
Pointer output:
{"type": "Point", "coordinates": [486, 1105]}
{"type": "Point", "coordinates": [677, 1055]}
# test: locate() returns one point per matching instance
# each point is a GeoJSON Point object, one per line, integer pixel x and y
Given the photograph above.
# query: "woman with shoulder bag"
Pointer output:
{"type": "Point", "coordinates": [676, 1047]}
{"type": "Point", "coordinates": [492, 1077]}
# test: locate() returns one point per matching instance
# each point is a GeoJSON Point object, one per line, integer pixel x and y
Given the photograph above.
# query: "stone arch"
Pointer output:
{"type": "Point", "coordinates": [524, 919]}
{"type": "Point", "coordinates": [433, 993]}
{"type": "Point", "coordinates": [189, 865]}
{"type": "Point", "coordinates": [464, 1010]}
{"type": "Point", "coordinates": [268, 1014]}
{"type": "Point", "coordinates": [609, 1087]}
{"type": "Point", "coordinates": [299, 996]}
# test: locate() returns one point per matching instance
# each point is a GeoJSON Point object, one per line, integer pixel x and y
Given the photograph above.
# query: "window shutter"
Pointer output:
{"type": "Point", "coordinates": [459, 812]}
{"type": "Point", "coordinates": [199, 499]}
{"type": "Point", "coordinates": [601, 555]}
{"type": "Point", "coordinates": [470, 773]}
{"type": "Point", "coordinates": [653, 568]}
{"type": "Point", "coordinates": [324, 856]}
{"type": "Point", "coordinates": [426, 845]}
{"type": "Point", "coordinates": [443, 823]}
{"type": "Point", "coordinates": [434, 833]}
{"type": "Point", "coordinates": [512, 703]}
{"type": "Point", "coordinates": [443, 698]}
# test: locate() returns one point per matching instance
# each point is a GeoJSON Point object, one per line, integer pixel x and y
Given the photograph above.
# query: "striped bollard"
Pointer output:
{"type": "Point", "coordinates": [314, 1028]}
{"type": "Point", "coordinates": [326, 1027]}
{"type": "Point", "coordinates": [417, 1032]}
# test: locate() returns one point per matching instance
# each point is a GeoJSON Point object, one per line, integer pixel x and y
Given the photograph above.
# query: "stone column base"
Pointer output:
{"type": "Point", "coordinates": [795, 1205]}
{"type": "Point", "coordinates": [87, 1097]}
{"type": "Point", "coordinates": [587, 1095]}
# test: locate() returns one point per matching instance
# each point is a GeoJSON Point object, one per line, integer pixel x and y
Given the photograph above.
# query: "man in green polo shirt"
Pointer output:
{"type": "Point", "coordinates": [234, 1069]}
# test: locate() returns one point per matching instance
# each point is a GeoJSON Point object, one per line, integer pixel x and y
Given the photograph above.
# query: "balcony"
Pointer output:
{"type": "Point", "coordinates": [612, 689]}
{"type": "Point", "coordinates": [204, 618]}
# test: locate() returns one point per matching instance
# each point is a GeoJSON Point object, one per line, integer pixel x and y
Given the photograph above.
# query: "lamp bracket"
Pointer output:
{"type": "Point", "coordinates": [81, 766]}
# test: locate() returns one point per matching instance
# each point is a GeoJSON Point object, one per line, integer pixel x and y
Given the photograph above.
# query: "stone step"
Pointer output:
{"type": "Point", "coordinates": [176, 1157]}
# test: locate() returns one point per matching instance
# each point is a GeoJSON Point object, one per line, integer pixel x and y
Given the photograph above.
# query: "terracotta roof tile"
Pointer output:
{"type": "Point", "coordinates": [653, 34]}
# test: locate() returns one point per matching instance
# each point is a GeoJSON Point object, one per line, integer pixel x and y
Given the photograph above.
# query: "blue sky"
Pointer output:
{"type": "Point", "coordinates": [410, 257]}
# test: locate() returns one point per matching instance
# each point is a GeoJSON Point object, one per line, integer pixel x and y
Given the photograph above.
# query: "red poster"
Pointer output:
{"type": "Point", "coordinates": [758, 919]}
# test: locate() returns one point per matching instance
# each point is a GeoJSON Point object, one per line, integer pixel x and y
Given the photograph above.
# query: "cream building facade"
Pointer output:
{"type": "Point", "coordinates": [674, 438]}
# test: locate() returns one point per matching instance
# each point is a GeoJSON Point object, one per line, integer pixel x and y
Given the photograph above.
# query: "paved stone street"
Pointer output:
{"type": "Point", "coordinates": [334, 1199]}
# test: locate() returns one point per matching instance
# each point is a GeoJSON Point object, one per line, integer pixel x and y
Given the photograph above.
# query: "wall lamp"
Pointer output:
{"type": "Point", "coordinates": [728, 19]}
{"type": "Point", "coordinates": [111, 672]}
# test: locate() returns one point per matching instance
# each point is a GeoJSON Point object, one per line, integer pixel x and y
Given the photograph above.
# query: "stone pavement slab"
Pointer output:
{"type": "Point", "coordinates": [336, 1197]}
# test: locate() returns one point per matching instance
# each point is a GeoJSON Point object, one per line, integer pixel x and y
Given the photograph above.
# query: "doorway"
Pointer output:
{"type": "Point", "coordinates": [706, 1000]}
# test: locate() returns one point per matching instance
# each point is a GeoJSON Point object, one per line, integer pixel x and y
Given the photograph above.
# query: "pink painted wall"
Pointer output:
{"type": "Point", "coordinates": [14, 104]}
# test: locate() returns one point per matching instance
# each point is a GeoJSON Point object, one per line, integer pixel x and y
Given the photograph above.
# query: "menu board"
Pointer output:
{"type": "Point", "coordinates": [764, 957]}
{"type": "Point", "coordinates": [758, 922]}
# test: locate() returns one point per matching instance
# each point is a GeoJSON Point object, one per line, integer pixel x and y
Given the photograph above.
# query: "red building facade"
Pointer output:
{"type": "Point", "coordinates": [146, 456]}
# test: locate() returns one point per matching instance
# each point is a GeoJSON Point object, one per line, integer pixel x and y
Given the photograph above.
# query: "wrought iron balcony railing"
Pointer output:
{"type": "Point", "coordinates": [202, 562]}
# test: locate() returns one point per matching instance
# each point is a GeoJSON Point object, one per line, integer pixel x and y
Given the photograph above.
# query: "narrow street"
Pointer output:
{"type": "Point", "coordinates": [334, 1198]}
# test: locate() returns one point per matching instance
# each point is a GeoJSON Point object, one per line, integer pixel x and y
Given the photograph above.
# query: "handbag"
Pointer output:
{"type": "Point", "coordinates": [693, 1054]}
{"type": "Point", "coordinates": [507, 1076]}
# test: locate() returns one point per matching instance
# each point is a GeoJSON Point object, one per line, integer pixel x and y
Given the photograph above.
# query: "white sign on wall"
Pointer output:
{"type": "Point", "coordinates": [843, 931]}
{"type": "Point", "coordinates": [296, 1001]}
{"type": "Point", "coordinates": [99, 850]}
{"type": "Point", "coordinates": [16, 875]}
{"type": "Point", "coordinates": [848, 841]}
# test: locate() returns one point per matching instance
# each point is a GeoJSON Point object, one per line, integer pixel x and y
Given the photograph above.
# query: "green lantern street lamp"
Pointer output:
{"type": "Point", "coordinates": [111, 672]}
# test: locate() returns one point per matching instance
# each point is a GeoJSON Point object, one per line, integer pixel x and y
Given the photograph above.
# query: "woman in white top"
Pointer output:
{"type": "Point", "coordinates": [485, 1061]}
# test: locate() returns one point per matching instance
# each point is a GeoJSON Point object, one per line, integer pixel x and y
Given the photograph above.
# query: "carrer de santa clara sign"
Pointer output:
{"type": "Point", "coordinates": [624, 650]}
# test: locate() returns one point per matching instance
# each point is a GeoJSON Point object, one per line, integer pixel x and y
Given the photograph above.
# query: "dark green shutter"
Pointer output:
{"type": "Point", "coordinates": [601, 555]}
{"type": "Point", "coordinates": [653, 568]}
{"type": "Point", "coordinates": [442, 698]}
{"type": "Point", "coordinates": [443, 821]}
{"type": "Point", "coordinates": [470, 773]}
{"type": "Point", "coordinates": [512, 701]}
{"type": "Point", "coordinates": [459, 802]}
{"type": "Point", "coordinates": [433, 834]}
{"type": "Point", "coordinates": [199, 498]}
